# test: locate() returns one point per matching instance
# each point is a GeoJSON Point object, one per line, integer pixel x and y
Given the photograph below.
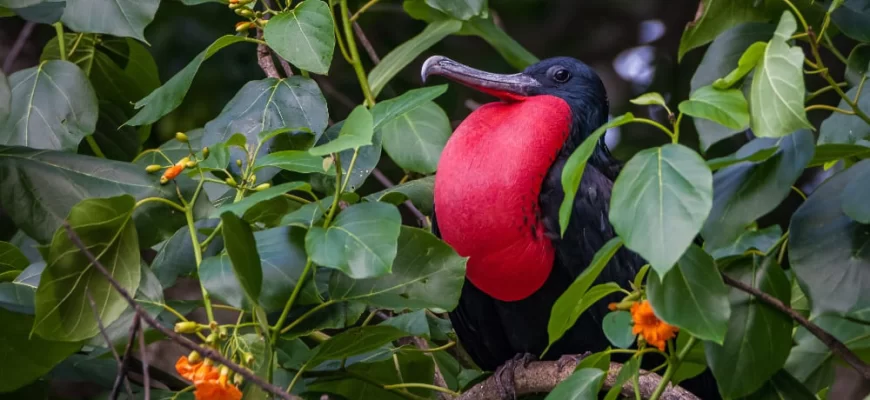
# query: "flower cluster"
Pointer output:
{"type": "Point", "coordinates": [655, 331]}
{"type": "Point", "coordinates": [210, 381]}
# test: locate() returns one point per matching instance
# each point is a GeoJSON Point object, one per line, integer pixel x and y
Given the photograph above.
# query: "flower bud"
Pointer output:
{"type": "Point", "coordinates": [213, 325]}
{"type": "Point", "coordinates": [262, 186]}
{"type": "Point", "coordinates": [238, 379]}
{"type": "Point", "coordinates": [153, 168]}
{"type": "Point", "coordinates": [205, 153]}
{"type": "Point", "coordinates": [190, 164]}
{"type": "Point", "coordinates": [262, 22]}
{"type": "Point", "coordinates": [245, 12]}
{"type": "Point", "coordinates": [164, 180]}
{"type": "Point", "coordinates": [234, 1]}
{"type": "Point", "coordinates": [249, 359]}
{"type": "Point", "coordinates": [222, 332]}
{"type": "Point", "coordinates": [238, 162]}
{"type": "Point", "coordinates": [181, 137]}
{"type": "Point", "coordinates": [253, 179]}
{"type": "Point", "coordinates": [230, 181]}
{"type": "Point", "coordinates": [243, 26]}
{"type": "Point", "coordinates": [245, 1]}
{"type": "Point", "coordinates": [211, 338]}
{"type": "Point", "coordinates": [235, 6]}
{"type": "Point", "coordinates": [194, 358]}
{"type": "Point", "coordinates": [186, 327]}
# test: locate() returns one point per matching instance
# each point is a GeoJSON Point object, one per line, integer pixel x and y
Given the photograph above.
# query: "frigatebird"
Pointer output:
{"type": "Point", "coordinates": [497, 196]}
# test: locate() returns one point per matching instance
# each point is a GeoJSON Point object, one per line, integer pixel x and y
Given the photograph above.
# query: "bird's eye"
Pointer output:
{"type": "Point", "coordinates": [561, 75]}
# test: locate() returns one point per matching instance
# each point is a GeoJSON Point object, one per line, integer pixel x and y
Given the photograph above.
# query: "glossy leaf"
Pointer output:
{"type": "Point", "coordinates": [750, 153]}
{"type": "Point", "coordinates": [242, 249]}
{"type": "Point", "coordinates": [407, 367]}
{"type": "Point", "coordinates": [415, 140]}
{"type": "Point", "coordinates": [126, 18]}
{"type": "Point", "coordinates": [853, 18]}
{"type": "Point", "coordinates": [356, 132]}
{"type": "Point", "coordinates": [169, 96]}
{"type": "Point", "coordinates": [294, 161]}
{"type": "Point", "coordinates": [600, 360]}
{"type": "Point", "coordinates": [11, 258]}
{"type": "Point", "coordinates": [617, 328]}
{"type": "Point", "coordinates": [628, 370]}
{"type": "Point", "coordinates": [660, 202]}
{"type": "Point", "coordinates": [459, 9]}
{"type": "Point", "coordinates": [650, 99]}
{"type": "Point", "coordinates": [572, 174]}
{"type": "Point", "coordinates": [692, 296]}
{"type": "Point", "coordinates": [175, 256]}
{"type": "Point", "coordinates": [239, 208]}
{"type": "Point", "coordinates": [846, 129]}
{"type": "Point", "coordinates": [401, 56]}
{"type": "Point", "coordinates": [753, 349]}
{"type": "Point", "coordinates": [581, 385]}
{"type": "Point", "coordinates": [777, 95]}
{"type": "Point", "coordinates": [149, 295]}
{"type": "Point", "coordinates": [826, 153]}
{"type": "Point", "coordinates": [419, 192]}
{"type": "Point", "coordinates": [828, 250]}
{"type": "Point", "coordinates": [761, 240]}
{"type": "Point", "coordinates": [718, 16]}
{"type": "Point", "coordinates": [427, 273]}
{"type": "Point", "coordinates": [725, 107]}
{"type": "Point", "coordinates": [303, 36]}
{"type": "Point", "coordinates": [366, 161]}
{"type": "Point", "coordinates": [105, 226]}
{"type": "Point", "coordinates": [361, 242]}
{"type": "Point", "coordinates": [747, 191]}
{"type": "Point", "coordinates": [745, 65]}
{"type": "Point", "coordinates": [567, 308]}
{"type": "Point", "coordinates": [27, 357]}
{"type": "Point", "coordinates": [783, 386]}
{"type": "Point", "coordinates": [858, 64]}
{"type": "Point", "coordinates": [854, 198]}
{"type": "Point", "coordinates": [53, 107]}
{"type": "Point", "coordinates": [695, 361]}
{"type": "Point", "coordinates": [388, 110]}
{"type": "Point", "coordinates": [354, 341]}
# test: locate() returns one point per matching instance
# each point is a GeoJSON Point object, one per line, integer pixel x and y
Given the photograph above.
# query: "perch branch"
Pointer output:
{"type": "Point", "coordinates": [836, 346]}
{"type": "Point", "coordinates": [183, 341]}
{"type": "Point", "coordinates": [543, 376]}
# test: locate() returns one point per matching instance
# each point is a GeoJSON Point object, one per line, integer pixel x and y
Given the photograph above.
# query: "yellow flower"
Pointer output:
{"type": "Point", "coordinates": [655, 331]}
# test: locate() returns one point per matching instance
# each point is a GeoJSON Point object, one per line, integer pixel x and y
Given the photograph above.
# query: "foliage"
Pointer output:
{"type": "Point", "coordinates": [264, 206]}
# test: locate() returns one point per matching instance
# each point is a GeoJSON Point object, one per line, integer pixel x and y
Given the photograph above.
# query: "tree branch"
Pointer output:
{"type": "Point", "coordinates": [836, 346]}
{"type": "Point", "coordinates": [122, 370]}
{"type": "Point", "coordinates": [117, 385]}
{"type": "Point", "coordinates": [17, 46]}
{"type": "Point", "coordinates": [264, 58]}
{"type": "Point", "coordinates": [183, 341]}
{"type": "Point", "coordinates": [543, 376]}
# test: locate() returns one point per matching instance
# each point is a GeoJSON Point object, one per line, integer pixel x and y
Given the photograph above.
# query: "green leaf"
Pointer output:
{"type": "Point", "coordinates": [628, 370]}
{"type": "Point", "coordinates": [858, 64]}
{"type": "Point", "coordinates": [401, 56]}
{"type": "Point", "coordinates": [304, 36]}
{"type": "Point", "coordinates": [361, 242]}
{"type": "Point", "coordinates": [294, 161]}
{"type": "Point", "coordinates": [369, 376]}
{"type": "Point", "coordinates": [724, 54]}
{"type": "Point", "coordinates": [53, 107]}
{"type": "Point", "coordinates": [247, 203]}
{"type": "Point", "coordinates": [11, 258]}
{"type": "Point", "coordinates": [754, 348]}
{"type": "Point", "coordinates": [149, 295]}
{"type": "Point", "coordinates": [718, 16]}
{"type": "Point", "coordinates": [459, 9]}
{"type": "Point", "coordinates": [650, 99]}
{"type": "Point", "coordinates": [572, 173]}
{"type": "Point", "coordinates": [846, 129]}
{"type": "Point", "coordinates": [415, 140]}
{"type": "Point", "coordinates": [388, 110]}
{"type": "Point", "coordinates": [169, 96]}
{"type": "Point", "coordinates": [826, 153]}
{"type": "Point", "coordinates": [514, 53]}
{"type": "Point", "coordinates": [600, 360]}
{"type": "Point", "coordinates": [126, 18]}
{"type": "Point", "coordinates": [427, 273]}
{"type": "Point", "coordinates": [568, 307]}
{"type": "Point", "coordinates": [26, 357]}
{"type": "Point", "coordinates": [356, 132]}
{"type": "Point", "coordinates": [777, 96]}
{"type": "Point", "coordinates": [366, 160]}
{"type": "Point", "coordinates": [333, 316]}
{"type": "Point", "coordinates": [660, 202]}
{"type": "Point", "coordinates": [695, 361]}
{"type": "Point", "coordinates": [747, 191]}
{"type": "Point", "coordinates": [419, 191]}
{"type": "Point", "coordinates": [745, 65]}
{"type": "Point", "coordinates": [853, 18]}
{"type": "Point", "coordinates": [583, 384]}
{"type": "Point", "coordinates": [725, 107]}
{"type": "Point", "coordinates": [419, 323]}
{"type": "Point", "coordinates": [242, 249]}
{"type": "Point", "coordinates": [692, 296]}
{"type": "Point", "coordinates": [746, 153]}
{"type": "Point", "coordinates": [105, 227]}
{"type": "Point", "coordinates": [854, 198]}
{"type": "Point", "coordinates": [354, 341]}
{"type": "Point", "coordinates": [264, 357]}
{"type": "Point", "coordinates": [761, 240]}
{"type": "Point", "coordinates": [617, 328]}
{"type": "Point", "coordinates": [783, 386]}
{"type": "Point", "coordinates": [828, 250]}
{"type": "Point", "coordinates": [5, 98]}
{"type": "Point", "coordinates": [307, 215]}
{"type": "Point", "coordinates": [175, 256]}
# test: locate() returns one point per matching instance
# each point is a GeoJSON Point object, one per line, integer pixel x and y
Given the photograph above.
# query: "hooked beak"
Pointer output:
{"type": "Point", "coordinates": [513, 87]}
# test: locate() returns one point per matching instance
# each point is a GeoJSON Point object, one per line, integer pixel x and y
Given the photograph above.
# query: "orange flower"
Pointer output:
{"type": "Point", "coordinates": [211, 383]}
{"type": "Point", "coordinates": [217, 389]}
{"type": "Point", "coordinates": [171, 173]}
{"type": "Point", "coordinates": [655, 331]}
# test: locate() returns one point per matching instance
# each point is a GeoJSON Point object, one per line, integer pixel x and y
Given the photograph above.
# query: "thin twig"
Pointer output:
{"type": "Point", "coordinates": [128, 354]}
{"type": "Point", "coordinates": [146, 378]}
{"type": "Point", "coordinates": [836, 346]}
{"type": "Point", "coordinates": [384, 180]}
{"type": "Point", "coordinates": [439, 377]}
{"type": "Point", "coordinates": [366, 44]}
{"type": "Point", "coordinates": [264, 58]}
{"type": "Point", "coordinates": [183, 341]}
{"type": "Point", "coordinates": [111, 345]}
{"type": "Point", "coordinates": [17, 46]}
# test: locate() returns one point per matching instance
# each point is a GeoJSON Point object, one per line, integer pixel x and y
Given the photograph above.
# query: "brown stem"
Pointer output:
{"type": "Point", "coordinates": [146, 378]}
{"type": "Point", "coordinates": [183, 341]}
{"type": "Point", "coordinates": [836, 346]}
{"type": "Point", "coordinates": [439, 381]}
{"type": "Point", "coordinates": [264, 58]}
{"type": "Point", "coordinates": [366, 44]}
{"type": "Point", "coordinates": [17, 46]}
{"type": "Point", "coordinates": [111, 346]}
{"type": "Point", "coordinates": [128, 354]}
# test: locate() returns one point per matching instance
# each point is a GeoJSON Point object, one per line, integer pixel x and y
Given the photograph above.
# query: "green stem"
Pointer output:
{"type": "Point", "coordinates": [434, 349]}
{"type": "Point", "coordinates": [159, 200]}
{"type": "Point", "coordinates": [337, 195]}
{"type": "Point", "coordinates": [61, 45]}
{"type": "Point", "coordinates": [828, 108]}
{"type": "Point", "coordinates": [197, 254]}
{"type": "Point", "coordinates": [92, 143]}
{"type": "Point", "coordinates": [296, 290]}
{"type": "Point", "coordinates": [672, 368]}
{"type": "Point", "coordinates": [296, 378]}
{"type": "Point", "coordinates": [658, 125]}
{"type": "Point", "coordinates": [824, 90]}
{"type": "Point", "coordinates": [354, 55]}
{"type": "Point", "coordinates": [421, 386]}
{"type": "Point", "coordinates": [307, 314]}
{"type": "Point", "coordinates": [363, 9]}
{"type": "Point", "coordinates": [676, 137]}
{"type": "Point", "coordinates": [212, 235]}
{"type": "Point", "coordinates": [349, 170]}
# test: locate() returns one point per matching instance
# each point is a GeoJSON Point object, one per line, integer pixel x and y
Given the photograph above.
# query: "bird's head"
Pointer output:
{"type": "Point", "coordinates": [564, 77]}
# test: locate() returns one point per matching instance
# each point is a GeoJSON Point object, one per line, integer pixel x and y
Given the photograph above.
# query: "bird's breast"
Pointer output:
{"type": "Point", "coordinates": [486, 192]}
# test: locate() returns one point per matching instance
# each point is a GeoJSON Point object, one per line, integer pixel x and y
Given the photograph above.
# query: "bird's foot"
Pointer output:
{"type": "Point", "coordinates": [571, 360]}
{"type": "Point", "coordinates": [504, 375]}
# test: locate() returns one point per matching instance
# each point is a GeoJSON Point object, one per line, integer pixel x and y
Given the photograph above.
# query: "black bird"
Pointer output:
{"type": "Point", "coordinates": [497, 196]}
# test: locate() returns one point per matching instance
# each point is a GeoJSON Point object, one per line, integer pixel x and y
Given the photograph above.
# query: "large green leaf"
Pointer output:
{"type": "Point", "coordinates": [53, 107]}
{"type": "Point", "coordinates": [569, 306]}
{"type": "Point", "coordinates": [692, 296]}
{"type": "Point", "coordinates": [660, 202]}
{"type": "Point", "coordinates": [427, 273]}
{"type": "Point", "coordinates": [368, 377]}
{"type": "Point", "coordinates": [826, 153]}
{"type": "Point", "coordinates": [361, 242]}
{"type": "Point", "coordinates": [725, 107]}
{"type": "Point", "coordinates": [169, 96]}
{"type": "Point", "coordinates": [149, 296]}
{"type": "Point", "coordinates": [745, 65]}
{"type": "Point", "coordinates": [617, 327]}
{"type": "Point", "coordinates": [239, 208]}
{"type": "Point", "coordinates": [758, 239]}
{"type": "Point", "coordinates": [26, 357]}
{"type": "Point", "coordinates": [399, 58]}
{"type": "Point", "coordinates": [777, 95]}
{"type": "Point", "coordinates": [242, 249]}
{"type": "Point", "coordinates": [12, 259]}
{"type": "Point", "coordinates": [853, 18]}
{"type": "Point", "coordinates": [42, 187]}
{"type": "Point", "coordinates": [695, 361]}
{"type": "Point", "coordinates": [846, 129]}
{"type": "Point", "coordinates": [419, 192]}
{"type": "Point", "coordinates": [754, 348]}
{"type": "Point", "coordinates": [356, 132]}
{"type": "Point", "coordinates": [294, 161]}
{"type": "Point", "coordinates": [854, 198]}
{"type": "Point", "coordinates": [415, 139]}
{"type": "Point", "coordinates": [581, 385]}
{"type": "Point", "coordinates": [751, 153]}
{"type": "Point", "coordinates": [117, 17]}
{"type": "Point", "coordinates": [354, 341]}
{"type": "Point", "coordinates": [858, 64]}
{"type": "Point", "coordinates": [783, 386]}
{"type": "Point", "coordinates": [106, 228]}
{"type": "Point", "coordinates": [459, 9]}
{"type": "Point", "coordinates": [304, 36]}
{"type": "Point", "coordinates": [828, 250]}
{"type": "Point", "coordinates": [747, 191]}
{"type": "Point", "coordinates": [175, 256]}
{"type": "Point", "coordinates": [367, 159]}
{"type": "Point", "coordinates": [716, 17]}
{"type": "Point", "coordinates": [572, 173]}
{"type": "Point", "coordinates": [389, 110]}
